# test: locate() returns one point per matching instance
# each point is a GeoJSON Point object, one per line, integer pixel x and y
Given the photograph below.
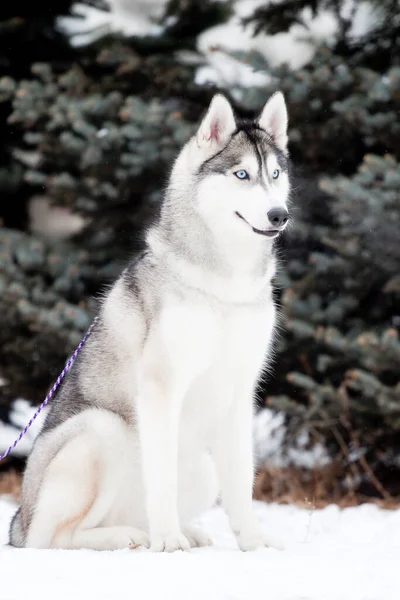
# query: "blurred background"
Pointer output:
{"type": "Point", "coordinates": [97, 97]}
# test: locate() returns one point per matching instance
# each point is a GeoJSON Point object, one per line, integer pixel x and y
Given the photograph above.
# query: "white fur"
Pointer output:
{"type": "Point", "coordinates": [274, 120]}
{"type": "Point", "coordinates": [222, 197]}
{"type": "Point", "coordinates": [218, 124]}
{"type": "Point", "coordinates": [187, 375]}
{"type": "Point", "coordinates": [196, 379]}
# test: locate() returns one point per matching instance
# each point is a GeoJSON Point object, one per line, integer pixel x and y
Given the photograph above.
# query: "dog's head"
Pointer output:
{"type": "Point", "coordinates": [239, 169]}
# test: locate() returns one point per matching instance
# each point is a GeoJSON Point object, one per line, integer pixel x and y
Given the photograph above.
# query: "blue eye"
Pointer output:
{"type": "Point", "coordinates": [275, 174]}
{"type": "Point", "coordinates": [242, 174]}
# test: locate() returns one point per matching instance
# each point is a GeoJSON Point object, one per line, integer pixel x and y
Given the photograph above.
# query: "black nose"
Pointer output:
{"type": "Point", "coordinates": [278, 216]}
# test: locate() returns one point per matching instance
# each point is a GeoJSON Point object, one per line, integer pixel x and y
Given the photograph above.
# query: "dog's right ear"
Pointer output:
{"type": "Point", "coordinates": [218, 124]}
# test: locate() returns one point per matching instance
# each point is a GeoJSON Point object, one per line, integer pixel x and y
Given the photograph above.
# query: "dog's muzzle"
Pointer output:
{"type": "Point", "coordinates": [278, 217]}
{"type": "Point", "coordinates": [275, 229]}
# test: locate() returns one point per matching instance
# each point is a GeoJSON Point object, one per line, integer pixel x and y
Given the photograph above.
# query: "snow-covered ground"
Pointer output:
{"type": "Point", "coordinates": [330, 555]}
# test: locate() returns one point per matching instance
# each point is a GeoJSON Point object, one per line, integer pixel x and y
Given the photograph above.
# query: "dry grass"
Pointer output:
{"type": "Point", "coordinates": [312, 489]}
{"type": "Point", "coordinates": [307, 489]}
{"type": "Point", "coordinates": [10, 484]}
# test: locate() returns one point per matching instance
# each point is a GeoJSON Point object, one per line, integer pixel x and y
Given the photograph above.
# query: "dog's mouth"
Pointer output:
{"type": "Point", "coordinates": [271, 233]}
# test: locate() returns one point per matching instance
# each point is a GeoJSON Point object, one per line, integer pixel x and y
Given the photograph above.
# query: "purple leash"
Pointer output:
{"type": "Point", "coordinates": [53, 389]}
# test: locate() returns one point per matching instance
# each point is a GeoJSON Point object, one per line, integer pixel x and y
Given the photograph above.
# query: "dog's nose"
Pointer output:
{"type": "Point", "coordinates": [278, 216]}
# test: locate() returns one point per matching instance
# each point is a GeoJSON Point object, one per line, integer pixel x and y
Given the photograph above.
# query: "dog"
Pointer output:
{"type": "Point", "coordinates": [154, 421]}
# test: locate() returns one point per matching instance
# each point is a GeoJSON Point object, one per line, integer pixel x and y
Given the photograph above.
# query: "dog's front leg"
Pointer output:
{"type": "Point", "coordinates": [177, 349]}
{"type": "Point", "coordinates": [158, 413]}
{"type": "Point", "coordinates": [234, 460]}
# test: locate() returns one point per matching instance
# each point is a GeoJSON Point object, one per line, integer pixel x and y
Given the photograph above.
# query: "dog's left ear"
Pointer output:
{"type": "Point", "coordinates": [274, 120]}
{"type": "Point", "coordinates": [218, 124]}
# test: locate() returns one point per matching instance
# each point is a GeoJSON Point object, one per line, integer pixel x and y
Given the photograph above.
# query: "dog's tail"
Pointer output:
{"type": "Point", "coordinates": [17, 535]}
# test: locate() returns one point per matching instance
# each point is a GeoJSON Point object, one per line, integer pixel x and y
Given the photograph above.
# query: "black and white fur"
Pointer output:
{"type": "Point", "coordinates": [154, 419]}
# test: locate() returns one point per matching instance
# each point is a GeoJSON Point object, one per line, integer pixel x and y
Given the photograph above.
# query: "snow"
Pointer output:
{"type": "Point", "coordinates": [128, 17]}
{"type": "Point", "coordinates": [272, 443]}
{"type": "Point", "coordinates": [227, 71]}
{"type": "Point", "coordinates": [296, 47]}
{"type": "Point", "coordinates": [330, 554]}
{"type": "Point", "coordinates": [54, 222]}
{"type": "Point", "coordinates": [20, 415]}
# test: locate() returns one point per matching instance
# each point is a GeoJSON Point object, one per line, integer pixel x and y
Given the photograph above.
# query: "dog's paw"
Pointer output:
{"type": "Point", "coordinates": [111, 538]}
{"type": "Point", "coordinates": [138, 538]}
{"type": "Point", "coordinates": [251, 541]}
{"type": "Point", "coordinates": [169, 543]}
{"type": "Point", "coordinates": [197, 538]}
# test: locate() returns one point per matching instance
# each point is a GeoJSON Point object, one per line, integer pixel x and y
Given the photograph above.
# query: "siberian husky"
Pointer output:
{"type": "Point", "coordinates": [154, 419]}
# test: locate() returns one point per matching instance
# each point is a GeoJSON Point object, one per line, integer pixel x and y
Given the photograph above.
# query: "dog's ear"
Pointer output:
{"type": "Point", "coordinates": [274, 120]}
{"type": "Point", "coordinates": [218, 124]}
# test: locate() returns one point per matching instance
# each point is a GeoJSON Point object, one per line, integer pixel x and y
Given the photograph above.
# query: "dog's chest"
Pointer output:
{"type": "Point", "coordinates": [230, 357]}
{"type": "Point", "coordinates": [243, 336]}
